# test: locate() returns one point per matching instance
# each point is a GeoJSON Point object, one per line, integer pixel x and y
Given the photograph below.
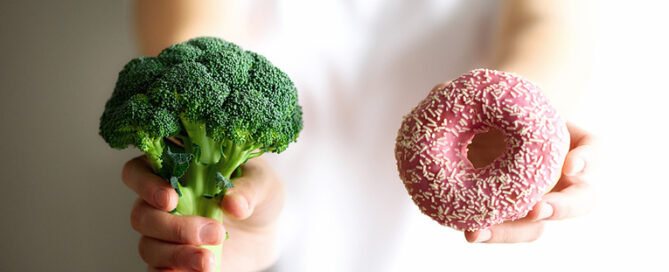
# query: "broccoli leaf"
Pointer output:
{"type": "Point", "coordinates": [175, 163]}
{"type": "Point", "coordinates": [174, 182]}
{"type": "Point", "coordinates": [223, 183]}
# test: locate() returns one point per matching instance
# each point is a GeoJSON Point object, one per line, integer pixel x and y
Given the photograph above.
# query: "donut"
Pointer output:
{"type": "Point", "coordinates": [431, 150]}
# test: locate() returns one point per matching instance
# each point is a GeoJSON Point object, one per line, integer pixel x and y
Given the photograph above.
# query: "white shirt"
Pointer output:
{"type": "Point", "coordinates": [359, 66]}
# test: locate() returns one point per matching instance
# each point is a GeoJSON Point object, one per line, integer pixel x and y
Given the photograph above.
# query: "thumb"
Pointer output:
{"type": "Point", "coordinates": [257, 189]}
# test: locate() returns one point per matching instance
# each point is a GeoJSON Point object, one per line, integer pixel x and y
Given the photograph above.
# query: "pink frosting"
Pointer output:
{"type": "Point", "coordinates": [431, 150]}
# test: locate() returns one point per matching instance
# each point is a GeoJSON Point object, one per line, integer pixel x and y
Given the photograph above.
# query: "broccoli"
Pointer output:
{"type": "Point", "coordinates": [199, 110]}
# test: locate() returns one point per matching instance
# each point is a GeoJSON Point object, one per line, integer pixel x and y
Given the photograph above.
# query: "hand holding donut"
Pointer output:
{"type": "Point", "coordinates": [499, 188]}
{"type": "Point", "coordinates": [571, 197]}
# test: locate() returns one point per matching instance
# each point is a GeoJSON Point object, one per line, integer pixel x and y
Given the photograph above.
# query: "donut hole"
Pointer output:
{"type": "Point", "coordinates": [485, 147]}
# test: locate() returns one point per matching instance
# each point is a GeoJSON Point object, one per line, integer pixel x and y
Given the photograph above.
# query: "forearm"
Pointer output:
{"type": "Point", "coordinates": [161, 23]}
{"type": "Point", "coordinates": [548, 42]}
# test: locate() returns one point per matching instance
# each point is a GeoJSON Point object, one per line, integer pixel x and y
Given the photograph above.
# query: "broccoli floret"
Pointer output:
{"type": "Point", "coordinates": [223, 104]}
{"type": "Point", "coordinates": [138, 122]}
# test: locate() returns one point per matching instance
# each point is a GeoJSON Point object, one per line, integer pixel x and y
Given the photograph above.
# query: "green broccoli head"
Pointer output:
{"type": "Point", "coordinates": [238, 96]}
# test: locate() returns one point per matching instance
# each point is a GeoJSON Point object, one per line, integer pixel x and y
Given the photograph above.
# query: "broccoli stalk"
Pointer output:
{"type": "Point", "coordinates": [223, 104]}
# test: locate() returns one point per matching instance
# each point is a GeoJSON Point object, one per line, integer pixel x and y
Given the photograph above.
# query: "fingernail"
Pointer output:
{"type": "Point", "coordinates": [210, 262]}
{"type": "Point", "coordinates": [484, 235]}
{"type": "Point", "coordinates": [200, 261]}
{"type": "Point", "coordinates": [545, 211]}
{"type": "Point", "coordinates": [161, 197]}
{"type": "Point", "coordinates": [577, 166]}
{"type": "Point", "coordinates": [209, 234]}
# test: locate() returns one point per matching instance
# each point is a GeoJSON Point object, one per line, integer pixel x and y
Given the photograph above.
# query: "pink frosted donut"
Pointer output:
{"type": "Point", "coordinates": [431, 150]}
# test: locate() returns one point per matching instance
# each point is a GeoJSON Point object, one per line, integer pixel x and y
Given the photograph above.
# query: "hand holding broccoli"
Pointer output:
{"type": "Point", "coordinates": [199, 111]}
{"type": "Point", "coordinates": [170, 241]}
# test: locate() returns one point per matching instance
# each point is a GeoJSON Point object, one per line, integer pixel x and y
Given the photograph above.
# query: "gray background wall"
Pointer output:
{"type": "Point", "coordinates": [62, 204]}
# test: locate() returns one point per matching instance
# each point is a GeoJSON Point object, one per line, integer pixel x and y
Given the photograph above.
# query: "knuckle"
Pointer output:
{"type": "Point", "coordinates": [180, 232]}
{"type": "Point", "coordinates": [130, 168]}
{"type": "Point", "coordinates": [126, 171]}
{"type": "Point", "coordinates": [503, 236]}
{"type": "Point", "coordinates": [142, 248]}
{"type": "Point", "coordinates": [136, 215]}
{"type": "Point", "coordinates": [177, 255]}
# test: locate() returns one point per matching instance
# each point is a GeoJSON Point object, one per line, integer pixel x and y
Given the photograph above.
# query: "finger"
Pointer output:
{"type": "Point", "coordinates": [251, 190]}
{"type": "Point", "coordinates": [166, 255]}
{"type": "Point", "coordinates": [579, 136]}
{"type": "Point", "coordinates": [138, 176]}
{"type": "Point", "coordinates": [182, 229]}
{"type": "Point", "coordinates": [540, 211]}
{"type": "Point", "coordinates": [580, 158]}
{"type": "Point", "coordinates": [575, 200]}
{"type": "Point", "coordinates": [579, 161]}
{"type": "Point", "coordinates": [508, 232]}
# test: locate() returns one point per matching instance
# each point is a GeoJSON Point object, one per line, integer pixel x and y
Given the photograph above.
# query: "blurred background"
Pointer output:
{"type": "Point", "coordinates": [64, 208]}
